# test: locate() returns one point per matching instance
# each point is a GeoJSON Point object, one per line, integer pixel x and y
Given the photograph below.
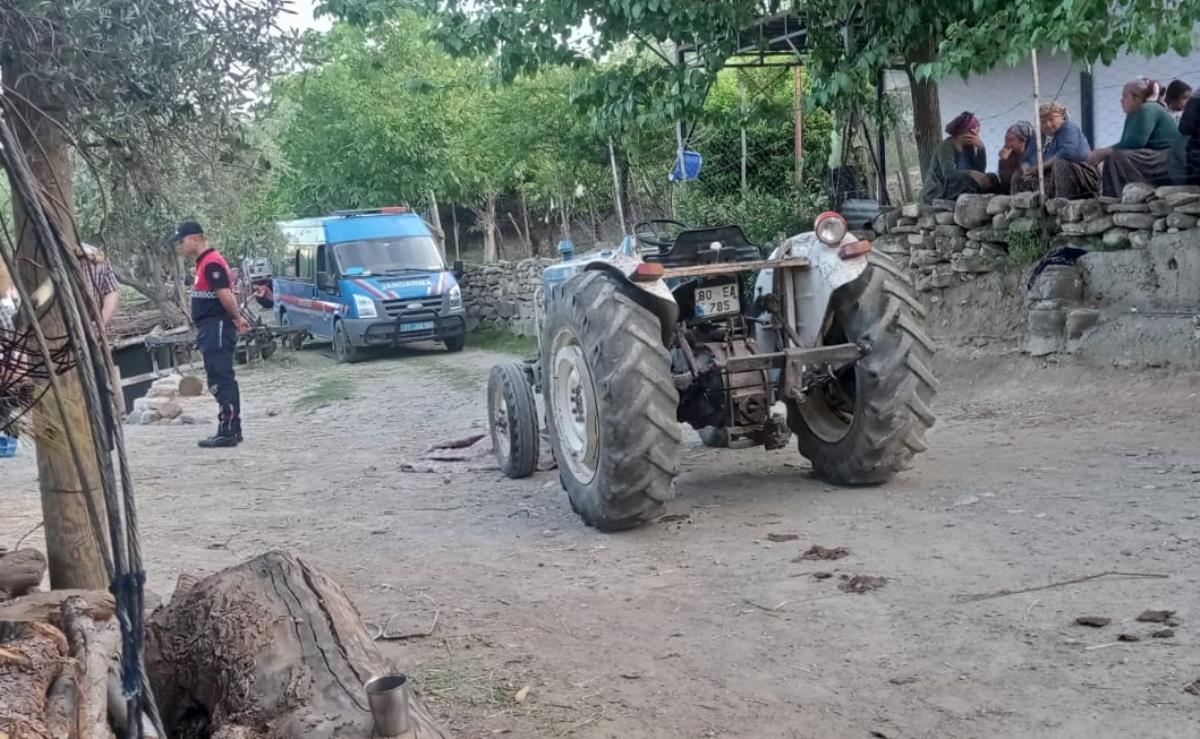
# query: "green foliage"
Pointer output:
{"type": "Point", "coordinates": [502, 342]}
{"type": "Point", "coordinates": [766, 216]}
{"type": "Point", "coordinates": [1027, 248]}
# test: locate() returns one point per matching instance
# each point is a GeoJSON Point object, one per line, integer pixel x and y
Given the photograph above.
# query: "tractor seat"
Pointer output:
{"type": "Point", "coordinates": [694, 246]}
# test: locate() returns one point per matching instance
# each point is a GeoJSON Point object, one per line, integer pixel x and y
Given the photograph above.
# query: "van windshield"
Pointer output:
{"type": "Point", "coordinates": [388, 255]}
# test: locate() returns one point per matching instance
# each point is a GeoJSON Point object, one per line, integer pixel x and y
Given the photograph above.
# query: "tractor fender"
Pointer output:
{"type": "Point", "coordinates": [654, 295]}
{"type": "Point", "coordinates": [812, 288]}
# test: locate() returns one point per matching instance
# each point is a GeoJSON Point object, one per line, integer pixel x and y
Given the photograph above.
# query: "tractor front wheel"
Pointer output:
{"type": "Point", "coordinates": [866, 422]}
{"type": "Point", "coordinates": [610, 401]}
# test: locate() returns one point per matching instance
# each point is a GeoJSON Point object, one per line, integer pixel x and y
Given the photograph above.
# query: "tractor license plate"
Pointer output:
{"type": "Point", "coordinates": [421, 326]}
{"type": "Point", "coordinates": [717, 300]}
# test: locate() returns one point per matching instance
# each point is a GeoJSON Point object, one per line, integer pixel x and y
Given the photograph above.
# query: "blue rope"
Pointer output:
{"type": "Point", "coordinates": [127, 590]}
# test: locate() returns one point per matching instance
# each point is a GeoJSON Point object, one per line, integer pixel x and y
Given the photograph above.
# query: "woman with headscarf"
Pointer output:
{"type": "Point", "coordinates": [1143, 153]}
{"type": "Point", "coordinates": [1189, 129]}
{"type": "Point", "coordinates": [1019, 150]}
{"type": "Point", "coordinates": [958, 163]}
{"type": "Point", "coordinates": [1065, 152]}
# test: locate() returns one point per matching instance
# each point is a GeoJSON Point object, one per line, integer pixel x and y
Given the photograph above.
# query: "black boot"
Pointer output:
{"type": "Point", "coordinates": [220, 441]}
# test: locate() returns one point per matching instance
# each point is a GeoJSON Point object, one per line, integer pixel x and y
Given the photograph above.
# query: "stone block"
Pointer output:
{"type": "Point", "coordinates": [1160, 207]}
{"type": "Point", "coordinates": [923, 258]}
{"type": "Point", "coordinates": [987, 234]}
{"type": "Point", "coordinates": [1080, 321]}
{"type": "Point", "coordinates": [948, 245]}
{"type": "Point", "coordinates": [945, 205]}
{"type": "Point", "coordinates": [1191, 209]}
{"type": "Point", "coordinates": [1058, 282]}
{"type": "Point", "coordinates": [1090, 227]}
{"type": "Point", "coordinates": [995, 253]}
{"type": "Point", "coordinates": [1140, 239]}
{"type": "Point", "coordinates": [1080, 210]}
{"type": "Point", "coordinates": [1116, 238]}
{"type": "Point", "coordinates": [906, 221]}
{"type": "Point", "coordinates": [917, 240]}
{"type": "Point", "coordinates": [999, 204]}
{"type": "Point", "coordinates": [943, 218]}
{"type": "Point", "coordinates": [1024, 225]}
{"type": "Point", "coordinates": [950, 230]}
{"type": "Point", "coordinates": [1133, 221]}
{"type": "Point", "coordinates": [973, 264]}
{"type": "Point", "coordinates": [191, 386]}
{"type": "Point", "coordinates": [971, 211]}
{"type": "Point", "coordinates": [1044, 330]}
{"type": "Point", "coordinates": [170, 409]}
{"type": "Point", "coordinates": [1027, 199]}
{"type": "Point", "coordinates": [162, 391]}
{"type": "Point", "coordinates": [901, 229]}
{"type": "Point", "coordinates": [892, 244]}
{"type": "Point", "coordinates": [1137, 192]}
{"type": "Point", "coordinates": [1129, 208]}
{"type": "Point", "coordinates": [1160, 226]}
{"type": "Point", "coordinates": [1106, 200]}
{"type": "Point", "coordinates": [1000, 221]}
{"type": "Point", "coordinates": [927, 221]}
{"type": "Point", "coordinates": [1167, 191]}
{"type": "Point", "coordinates": [912, 210]}
{"type": "Point", "coordinates": [1181, 221]}
{"type": "Point", "coordinates": [1177, 199]}
{"type": "Point", "coordinates": [1054, 206]}
{"type": "Point", "coordinates": [939, 277]}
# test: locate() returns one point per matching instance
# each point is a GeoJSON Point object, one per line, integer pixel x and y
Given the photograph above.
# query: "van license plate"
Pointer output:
{"type": "Point", "coordinates": [421, 326]}
{"type": "Point", "coordinates": [717, 300]}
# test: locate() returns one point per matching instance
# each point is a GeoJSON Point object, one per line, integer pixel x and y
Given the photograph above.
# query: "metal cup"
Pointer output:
{"type": "Point", "coordinates": [388, 698]}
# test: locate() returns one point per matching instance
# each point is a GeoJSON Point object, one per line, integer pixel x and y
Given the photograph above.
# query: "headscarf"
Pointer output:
{"type": "Point", "coordinates": [1053, 109]}
{"type": "Point", "coordinates": [1146, 89]}
{"type": "Point", "coordinates": [966, 121]}
{"type": "Point", "coordinates": [1023, 130]}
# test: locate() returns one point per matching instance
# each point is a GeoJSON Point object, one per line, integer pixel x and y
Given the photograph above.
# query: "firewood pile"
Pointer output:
{"type": "Point", "coordinates": [58, 652]}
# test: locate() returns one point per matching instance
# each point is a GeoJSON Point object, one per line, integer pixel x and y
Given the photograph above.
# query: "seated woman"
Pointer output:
{"type": "Point", "coordinates": [958, 163]}
{"type": "Point", "coordinates": [1019, 150]}
{"type": "Point", "coordinates": [1144, 149]}
{"type": "Point", "coordinates": [1189, 127]}
{"type": "Point", "coordinates": [1178, 93]}
{"type": "Point", "coordinates": [1065, 152]}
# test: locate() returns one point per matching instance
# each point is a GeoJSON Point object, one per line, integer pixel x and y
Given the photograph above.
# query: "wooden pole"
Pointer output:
{"type": "Point", "coordinates": [1037, 125]}
{"type": "Point", "coordinates": [905, 176]}
{"type": "Point", "coordinates": [798, 121]}
{"type": "Point", "coordinates": [616, 173]}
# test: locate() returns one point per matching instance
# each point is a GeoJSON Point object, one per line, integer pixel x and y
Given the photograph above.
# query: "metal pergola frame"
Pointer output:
{"type": "Point", "coordinates": [780, 41]}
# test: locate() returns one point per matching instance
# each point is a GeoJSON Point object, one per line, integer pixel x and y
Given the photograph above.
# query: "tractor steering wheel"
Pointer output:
{"type": "Point", "coordinates": [654, 232]}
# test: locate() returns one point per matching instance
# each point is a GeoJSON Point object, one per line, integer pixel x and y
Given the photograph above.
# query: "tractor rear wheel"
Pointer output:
{"type": "Point", "coordinates": [610, 401]}
{"type": "Point", "coordinates": [512, 418]}
{"type": "Point", "coordinates": [866, 423]}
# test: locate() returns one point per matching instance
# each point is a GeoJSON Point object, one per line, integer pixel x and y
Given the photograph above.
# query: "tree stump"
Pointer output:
{"type": "Point", "coordinates": [32, 656]}
{"type": "Point", "coordinates": [267, 649]}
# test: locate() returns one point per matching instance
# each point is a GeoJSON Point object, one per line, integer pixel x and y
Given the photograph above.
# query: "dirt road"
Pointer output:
{"type": "Point", "coordinates": [708, 624]}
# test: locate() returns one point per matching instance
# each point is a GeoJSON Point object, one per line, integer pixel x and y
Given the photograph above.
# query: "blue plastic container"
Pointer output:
{"type": "Point", "coordinates": [692, 162]}
{"type": "Point", "coordinates": [8, 446]}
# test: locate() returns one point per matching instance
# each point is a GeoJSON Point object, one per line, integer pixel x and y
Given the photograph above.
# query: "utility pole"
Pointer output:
{"type": "Point", "coordinates": [72, 548]}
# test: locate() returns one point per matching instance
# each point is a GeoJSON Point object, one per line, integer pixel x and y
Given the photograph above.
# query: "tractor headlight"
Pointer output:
{"type": "Point", "coordinates": [364, 307]}
{"type": "Point", "coordinates": [831, 228]}
{"type": "Point", "coordinates": [456, 302]}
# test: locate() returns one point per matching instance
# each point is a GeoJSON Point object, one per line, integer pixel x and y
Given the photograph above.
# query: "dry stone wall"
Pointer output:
{"type": "Point", "coordinates": [954, 241]}
{"type": "Point", "coordinates": [502, 296]}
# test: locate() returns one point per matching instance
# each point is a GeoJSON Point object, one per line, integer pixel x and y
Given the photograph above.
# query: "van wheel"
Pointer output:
{"type": "Point", "coordinates": [456, 343]}
{"type": "Point", "coordinates": [343, 350]}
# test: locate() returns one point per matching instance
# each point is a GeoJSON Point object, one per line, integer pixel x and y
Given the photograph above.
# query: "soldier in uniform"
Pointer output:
{"type": "Point", "coordinates": [218, 320]}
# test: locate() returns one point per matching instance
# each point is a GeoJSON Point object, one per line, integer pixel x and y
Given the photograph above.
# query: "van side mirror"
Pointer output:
{"type": "Point", "coordinates": [458, 270]}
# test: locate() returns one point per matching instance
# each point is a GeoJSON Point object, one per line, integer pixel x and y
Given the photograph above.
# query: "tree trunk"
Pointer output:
{"type": "Point", "coordinates": [435, 220]}
{"type": "Point", "coordinates": [491, 253]}
{"type": "Point", "coordinates": [533, 251]}
{"type": "Point", "coordinates": [75, 557]}
{"type": "Point", "coordinates": [268, 648]}
{"type": "Point", "coordinates": [927, 110]}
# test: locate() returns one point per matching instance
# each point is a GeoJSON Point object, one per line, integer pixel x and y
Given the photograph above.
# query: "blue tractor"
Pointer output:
{"type": "Point", "coordinates": [694, 325]}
